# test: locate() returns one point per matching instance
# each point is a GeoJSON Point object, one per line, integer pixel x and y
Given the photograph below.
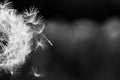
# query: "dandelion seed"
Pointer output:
{"type": "Point", "coordinates": [14, 75]}
{"type": "Point", "coordinates": [47, 40]}
{"type": "Point", "coordinates": [36, 73]}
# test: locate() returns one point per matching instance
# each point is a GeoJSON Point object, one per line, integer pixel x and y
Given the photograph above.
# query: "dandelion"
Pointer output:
{"type": "Point", "coordinates": [19, 32]}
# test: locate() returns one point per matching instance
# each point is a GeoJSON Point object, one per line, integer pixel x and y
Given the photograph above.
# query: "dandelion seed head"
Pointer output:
{"type": "Point", "coordinates": [20, 35]}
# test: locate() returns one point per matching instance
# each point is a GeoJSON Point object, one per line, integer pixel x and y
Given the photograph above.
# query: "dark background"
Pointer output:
{"type": "Point", "coordinates": [72, 9]}
{"type": "Point", "coordinates": [75, 56]}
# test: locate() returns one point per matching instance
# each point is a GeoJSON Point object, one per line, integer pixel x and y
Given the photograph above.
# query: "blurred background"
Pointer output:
{"type": "Point", "coordinates": [85, 37]}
